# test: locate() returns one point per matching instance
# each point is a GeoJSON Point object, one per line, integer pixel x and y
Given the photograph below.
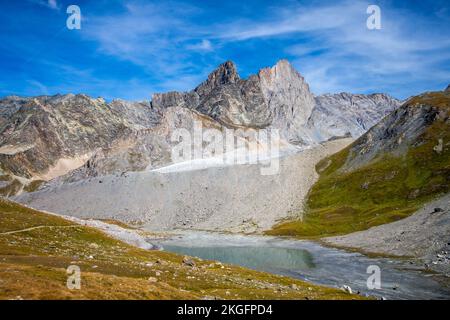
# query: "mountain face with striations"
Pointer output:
{"type": "Point", "coordinates": [276, 97]}
{"type": "Point", "coordinates": [72, 137]}
{"type": "Point", "coordinates": [344, 114]}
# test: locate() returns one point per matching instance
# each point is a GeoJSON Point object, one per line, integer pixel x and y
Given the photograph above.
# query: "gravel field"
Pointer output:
{"type": "Point", "coordinates": [232, 198]}
{"type": "Point", "coordinates": [425, 235]}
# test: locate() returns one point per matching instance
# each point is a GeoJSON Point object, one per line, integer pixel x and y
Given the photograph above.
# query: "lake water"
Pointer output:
{"type": "Point", "coordinates": [311, 262]}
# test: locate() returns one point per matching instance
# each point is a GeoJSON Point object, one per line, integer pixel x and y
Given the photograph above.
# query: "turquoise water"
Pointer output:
{"type": "Point", "coordinates": [310, 261]}
{"type": "Point", "coordinates": [252, 257]}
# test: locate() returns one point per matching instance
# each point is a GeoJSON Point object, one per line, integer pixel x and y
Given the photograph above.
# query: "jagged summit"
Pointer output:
{"type": "Point", "coordinates": [282, 69]}
{"type": "Point", "coordinates": [225, 74]}
{"type": "Point", "coordinates": [279, 97]}
{"type": "Point", "coordinates": [276, 96]}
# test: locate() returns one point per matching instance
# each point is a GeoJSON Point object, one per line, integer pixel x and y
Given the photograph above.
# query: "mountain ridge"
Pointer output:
{"type": "Point", "coordinates": [383, 176]}
{"type": "Point", "coordinates": [45, 137]}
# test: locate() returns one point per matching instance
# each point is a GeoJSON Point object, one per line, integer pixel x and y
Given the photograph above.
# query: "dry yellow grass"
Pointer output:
{"type": "Point", "coordinates": [33, 263]}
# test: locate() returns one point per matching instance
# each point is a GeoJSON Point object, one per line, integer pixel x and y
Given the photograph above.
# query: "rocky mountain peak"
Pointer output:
{"type": "Point", "coordinates": [225, 74]}
{"type": "Point", "coordinates": [288, 98]}
{"type": "Point", "coordinates": [279, 97]}
{"type": "Point", "coordinates": [402, 131]}
{"type": "Point", "coordinates": [448, 88]}
{"type": "Point", "coordinates": [343, 114]}
{"type": "Point", "coordinates": [283, 69]}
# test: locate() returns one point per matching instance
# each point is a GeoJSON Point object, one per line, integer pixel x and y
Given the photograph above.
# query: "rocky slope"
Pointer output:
{"type": "Point", "coordinates": [143, 150]}
{"type": "Point", "coordinates": [425, 234]}
{"type": "Point", "coordinates": [71, 137]}
{"type": "Point", "coordinates": [344, 114]}
{"type": "Point", "coordinates": [45, 137]}
{"type": "Point", "coordinates": [231, 198]}
{"type": "Point", "coordinates": [44, 130]}
{"type": "Point", "coordinates": [385, 175]}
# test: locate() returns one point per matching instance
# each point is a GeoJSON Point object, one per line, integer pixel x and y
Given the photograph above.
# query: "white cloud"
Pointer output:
{"type": "Point", "coordinates": [52, 4]}
{"type": "Point", "coordinates": [37, 87]}
{"type": "Point", "coordinates": [204, 45]}
{"type": "Point", "coordinates": [288, 20]}
{"type": "Point", "coordinates": [340, 53]}
{"type": "Point", "coordinates": [343, 54]}
{"type": "Point", "coordinates": [154, 36]}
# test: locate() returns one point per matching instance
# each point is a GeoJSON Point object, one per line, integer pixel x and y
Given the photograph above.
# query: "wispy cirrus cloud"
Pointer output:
{"type": "Point", "coordinates": [52, 4]}
{"type": "Point", "coordinates": [341, 54]}
{"type": "Point", "coordinates": [284, 20]}
{"type": "Point", "coordinates": [204, 45]}
{"type": "Point", "coordinates": [156, 36]}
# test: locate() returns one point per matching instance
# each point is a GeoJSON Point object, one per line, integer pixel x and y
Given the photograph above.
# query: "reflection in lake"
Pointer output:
{"type": "Point", "coordinates": [265, 258]}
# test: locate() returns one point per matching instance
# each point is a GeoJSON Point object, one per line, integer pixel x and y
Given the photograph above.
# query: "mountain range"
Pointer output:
{"type": "Point", "coordinates": [67, 138]}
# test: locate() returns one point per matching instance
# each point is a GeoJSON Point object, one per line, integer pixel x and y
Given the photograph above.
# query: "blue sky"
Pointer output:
{"type": "Point", "coordinates": [130, 49]}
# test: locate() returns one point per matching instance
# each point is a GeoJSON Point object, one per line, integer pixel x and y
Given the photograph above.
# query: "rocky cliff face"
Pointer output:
{"type": "Point", "coordinates": [43, 130]}
{"type": "Point", "coordinates": [276, 97]}
{"type": "Point", "coordinates": [143, 150]}
{"type": "Point", "coordinates": [225, 97]}
{"type": "Point", "coordinates": [289, 100]}
{"type": "Point", "coordinates": [280, 98]}
{"type": "Point", "coordinates": [344, 114]}
{"type": "Point", "coordinates": [77, 137]}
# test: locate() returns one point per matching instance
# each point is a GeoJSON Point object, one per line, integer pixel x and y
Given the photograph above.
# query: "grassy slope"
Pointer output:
{"type": "Point", "coordinates": [33, 266]}
{"type": "Point", "coordinates": [397, 186]}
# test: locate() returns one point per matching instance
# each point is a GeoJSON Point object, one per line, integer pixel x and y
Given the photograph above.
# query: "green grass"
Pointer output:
{"type": "Point", "coordinates": [387, 189]}
{"type": "Point", "coordinates": [33, 266]}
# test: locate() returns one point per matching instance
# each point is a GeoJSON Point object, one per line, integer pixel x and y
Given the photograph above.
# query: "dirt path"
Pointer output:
{"type": "Point", "coordinates": [34, 228]}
